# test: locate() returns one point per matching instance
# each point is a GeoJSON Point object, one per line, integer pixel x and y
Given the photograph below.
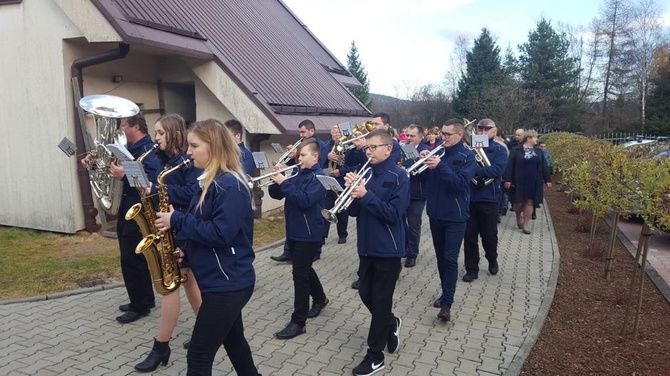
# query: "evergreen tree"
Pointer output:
{"type": "Point", "coordinates": [659, 97]}
{"type": "Point", "coordinates": [483, 71]}
{"type": "Point", "coordinates": [549, 74]}
{"type": "Point", "coordinates": [356, 68]}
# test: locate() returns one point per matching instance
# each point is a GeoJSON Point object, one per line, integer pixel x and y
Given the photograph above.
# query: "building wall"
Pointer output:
{"type": "Point", "coordinates": [36, 180]}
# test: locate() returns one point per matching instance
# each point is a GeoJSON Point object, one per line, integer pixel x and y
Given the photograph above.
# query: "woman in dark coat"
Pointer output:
{"type": "Point", "coordinates": [525, 174]}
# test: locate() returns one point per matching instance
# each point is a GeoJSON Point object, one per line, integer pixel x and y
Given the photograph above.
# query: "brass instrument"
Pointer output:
{"type": "Point", "coordinates": [344, 199]}
{"type": "Point", "coordinates": [418, 167]}
{"type": "Point", "coordinates": [106, 109]}
{"type": "Point", "coordinates": [254, 180]}
{"type": "Point", "coordinates": [480, 154]}
{"type": "Point", "coordinates": [339, 149]}
{"type": "Point", "coordinates": [158, 246]}
{"type": "Point", "coordinates": [285, 157]}
{"type": "Point", "coordinates": [364, 129]}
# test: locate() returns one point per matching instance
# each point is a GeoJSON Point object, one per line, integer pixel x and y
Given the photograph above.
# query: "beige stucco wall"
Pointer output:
{"type": "Point", "coordinates": [37, 181]}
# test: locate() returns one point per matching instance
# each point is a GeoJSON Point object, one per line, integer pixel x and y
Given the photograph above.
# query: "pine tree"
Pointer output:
{"type": "Point", "coordinates": [357, 69]}
{"type": "Point", "coordinates": [483, 71]}
{"type": "Point", "coordinates": [549, 74]}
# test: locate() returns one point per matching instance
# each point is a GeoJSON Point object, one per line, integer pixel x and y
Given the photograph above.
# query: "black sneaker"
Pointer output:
{"type": "Point", "coordinates": [356, 284]}
{"type": "Point", "coordinates": [394, 336]}
{"type": "Point", "coordinates": [368, 367]}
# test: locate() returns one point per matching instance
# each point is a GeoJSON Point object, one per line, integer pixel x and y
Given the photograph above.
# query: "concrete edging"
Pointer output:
{"type": "Point", "coordinates": [534, 332]}
{"type": "Point", "coordinates": [100, 287]}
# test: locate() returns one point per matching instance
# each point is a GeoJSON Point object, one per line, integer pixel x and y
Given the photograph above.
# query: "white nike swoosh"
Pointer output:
{"type": "Point", "coordinates": [375, 366]}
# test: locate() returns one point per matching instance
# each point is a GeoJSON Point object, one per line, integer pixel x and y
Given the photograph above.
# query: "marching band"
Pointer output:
{"type": "Point", "coordinates": [456, 180]}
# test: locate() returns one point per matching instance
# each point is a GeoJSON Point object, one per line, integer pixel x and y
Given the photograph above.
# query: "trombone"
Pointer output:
{"type": "Point", "coordinates": [418, 167]}
{"type": "Point", "coordinates": [344, 199]}
{"type": "Point", "coordinates": [254, 180]}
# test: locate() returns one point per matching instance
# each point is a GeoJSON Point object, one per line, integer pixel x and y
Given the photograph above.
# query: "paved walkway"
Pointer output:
{"type": "Point", "coordinates": [495, 319]}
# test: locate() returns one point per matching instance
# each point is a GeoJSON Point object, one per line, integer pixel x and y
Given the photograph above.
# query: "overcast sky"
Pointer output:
{"type": "Point", "coordinates": [405, 44]}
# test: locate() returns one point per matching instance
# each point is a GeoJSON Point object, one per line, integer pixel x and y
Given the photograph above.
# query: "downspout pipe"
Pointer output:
{"type": "Point", "coordinates": [88, 206]}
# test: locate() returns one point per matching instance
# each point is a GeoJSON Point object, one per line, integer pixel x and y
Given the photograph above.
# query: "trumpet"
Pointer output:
{"type": "Point", "coordinates": [418, 167]}
{"type": "Point", "coordinates": [344, 199]}
{"type": "Point", "coordinates": [254, 180]}
{"type": "Point", "coordinates": [284, 157]}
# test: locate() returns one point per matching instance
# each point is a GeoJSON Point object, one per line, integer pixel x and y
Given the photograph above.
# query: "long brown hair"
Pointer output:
{"type": "Point", "coordinates": [224, 154]}
{"type": "Point", "coordinates": [175, 130]}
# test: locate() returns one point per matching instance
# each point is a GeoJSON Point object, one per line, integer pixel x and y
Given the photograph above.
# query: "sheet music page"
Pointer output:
{"type": "Point", "coordinates": [330, 183]}
{"type": "Point", "coordinates": [120, 152]}
{"type": "Point", "coordinates": [135, 174]}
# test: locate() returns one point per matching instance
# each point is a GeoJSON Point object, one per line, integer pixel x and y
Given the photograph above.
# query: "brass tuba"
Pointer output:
{"type": "Point", "coordinates": [158, 246]}
{"type": "Point", "coordinates": [106, 110]}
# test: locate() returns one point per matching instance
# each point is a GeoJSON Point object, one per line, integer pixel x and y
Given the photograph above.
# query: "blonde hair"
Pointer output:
{"type": "Point", "coordinates": [224, 155]}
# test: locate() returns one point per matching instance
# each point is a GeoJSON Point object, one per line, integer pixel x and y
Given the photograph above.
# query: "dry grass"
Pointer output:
{"type": "Point", "coordinates": [39, 262]}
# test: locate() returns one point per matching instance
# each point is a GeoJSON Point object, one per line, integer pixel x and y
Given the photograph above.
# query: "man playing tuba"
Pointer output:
{"type": "Point", "coordinates": [133, 266]}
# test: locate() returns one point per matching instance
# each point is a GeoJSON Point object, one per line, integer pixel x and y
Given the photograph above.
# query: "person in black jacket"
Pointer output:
{"type": "Point", "coordinates": [524, 177]}
{"type": "Point", "coordinates": [417, 201]}
{"type": "Point", "coordinates": [133, 266]}
{"type": "Point", "coordinates": [484, 201]}
{"type": "Point", "coordinates": [380, 205]}
{"type": "Point", "coordinates": [305, 226]}
{"type": "Point", "coordinates": [218, 230]}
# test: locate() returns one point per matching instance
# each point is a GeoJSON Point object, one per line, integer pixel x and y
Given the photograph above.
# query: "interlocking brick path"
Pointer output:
{"type": "Point", "coordinates": [495, 319]}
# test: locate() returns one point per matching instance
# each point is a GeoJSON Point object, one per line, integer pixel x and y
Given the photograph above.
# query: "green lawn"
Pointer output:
{"type": "Point", "coordinates": [39, 262]}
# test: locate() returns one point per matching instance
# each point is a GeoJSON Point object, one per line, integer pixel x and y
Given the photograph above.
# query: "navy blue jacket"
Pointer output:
{"type": "Point", "coordinates": [182, 184]}
{"type": "Point", "coordinates": [248, 164]}
{"type": "Point", "coordinates": [395, 152]}
{"type": "Point", "coordinates": [353, 160]}
{"type": "Point", "coordinates": [479, 192]}
{"type": "Point", "coordinates": [304, 201]}
{"type": "Point", "coordinates": [381, 212]}
{"type": "Point", "coordinates": [152, 166]}
{"type": "Point", "coordinates": [448, 190]}
{"type": "Point", "coordinates": [219, 236]}
{"type": "Point", "coordinates": [417, 182]}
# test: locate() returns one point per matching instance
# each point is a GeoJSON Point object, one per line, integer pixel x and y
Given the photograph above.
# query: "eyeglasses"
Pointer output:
{"type": "Point", "coordinates": [372, 147]}
{"type": "Point", "coordinates": [447, 134]}
{"type": "Point", "coordinates": [483, 127]}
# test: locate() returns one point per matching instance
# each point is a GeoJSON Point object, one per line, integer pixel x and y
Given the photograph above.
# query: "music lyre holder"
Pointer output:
{"type": "Point", "coordinates": [345, 128]}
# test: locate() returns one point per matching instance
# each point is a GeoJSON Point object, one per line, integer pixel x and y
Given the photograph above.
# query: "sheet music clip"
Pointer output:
{"type": "Point", "coordinates": [346, 128]}
{"type": "Point", "coordinates": [260, 160]}
{"type": "Point", "coordinates": [136, 176]}
{"type": "Point", "coordinates": [330, 183]}
{"type": "Point", "coordinates": [67, 146]}
{"type": "Point", "coordinates": [277, 148]}
{"type": "Point", "coordinates": [409, 151]}
{"type": "Point", "coordinates": [327, 171]}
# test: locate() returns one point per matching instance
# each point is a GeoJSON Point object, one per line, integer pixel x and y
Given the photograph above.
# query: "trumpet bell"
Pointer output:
{"type": "Point", "coordinates": [329, 216]}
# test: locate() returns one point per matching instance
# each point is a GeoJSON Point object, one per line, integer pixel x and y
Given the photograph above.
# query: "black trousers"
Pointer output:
{"type": "Point", "coordinates": [219, 322]}
{"type": "Point", "coordinates": [482, 222]}
{"type": "Point", "coordinates": [342, 217]}
{"type": "Point", "coordinates": [414, 214]}
{"type": "Point", "coordinates": [305, 281]}
{"type": "Point", "coordinates": [378, 279]}
{"type": "Point", "coordinates": [134, 267]}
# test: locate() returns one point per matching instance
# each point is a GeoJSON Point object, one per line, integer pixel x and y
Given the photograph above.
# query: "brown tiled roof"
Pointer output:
{"type": "Point", "coordinates": [260, 43]}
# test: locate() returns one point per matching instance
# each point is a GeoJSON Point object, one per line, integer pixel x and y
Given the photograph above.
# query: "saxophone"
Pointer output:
{"type": "Point", "coordinates": [145, 219]}
{"type": "Point", "coordinates": [158, 246]}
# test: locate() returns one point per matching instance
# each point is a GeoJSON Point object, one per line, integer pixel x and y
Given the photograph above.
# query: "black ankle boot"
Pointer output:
{"type": "Point", "coordinates": [159, 354]}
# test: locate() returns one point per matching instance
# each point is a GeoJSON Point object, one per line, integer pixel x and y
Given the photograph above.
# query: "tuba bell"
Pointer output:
{"type": "Point", "coordinates": [106, 110]}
